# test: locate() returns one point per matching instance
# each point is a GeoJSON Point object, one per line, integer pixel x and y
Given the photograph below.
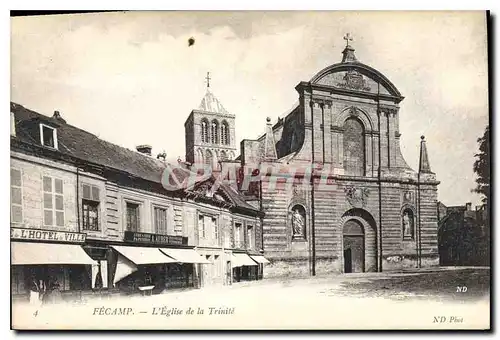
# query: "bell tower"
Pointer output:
{"type": "Point", "coordinates": [210, 132]}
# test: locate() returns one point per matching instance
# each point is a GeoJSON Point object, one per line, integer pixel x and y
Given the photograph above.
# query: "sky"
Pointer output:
{"type": "Point", "coordinates": [132, 78]}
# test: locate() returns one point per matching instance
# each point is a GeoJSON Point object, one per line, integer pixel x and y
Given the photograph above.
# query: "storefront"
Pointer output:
{"type": "Point", "coordinates": [162, 265]}
{"type": "Point", "coordinates": [214, 273]}
{"type": "Point", "coordinates": [139, 268]}
{"type": "Point", "coordinates": [261, 261]}
{"type": "Point", "coordinates": [244, 268]}
{"type": "Point", "coordinates": [50, 263]}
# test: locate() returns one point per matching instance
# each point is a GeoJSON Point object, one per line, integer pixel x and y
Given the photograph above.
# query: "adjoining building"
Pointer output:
{"type": "Point", "coordinates": [352, 204]}
{"type": "Point", "coordinates": [464, 235]}
{"type": "Point", "coordinates": [93, 217]}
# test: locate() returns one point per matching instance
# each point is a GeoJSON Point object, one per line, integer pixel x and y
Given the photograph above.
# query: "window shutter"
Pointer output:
{"type": "Point", "coordinates": [47, 201]}
{"type": "Point", "coordinates": [47, 184]}
{"type": "Point", "coordinates": [60, 218]}
{"type": "Point", "coordinates": [58, 184]}
{"type": "Point", "coordinates": [47, 217]}
{"type": "Point", "coordinates": [59, 202]}
{"type": "Point", "coordinates": [137, 212]}
{"type": "Point", "coordinates": [17, 214]}
{"type": "Point", "coordinates": [86, 191]}
{"type": "Point", "coordinates": [95, 193]}
{"type": "Point", "coordinates": [15, 195]}
{"type": "Point", "coordinates": [200, 219]}
{"type": "Point", "coordinates": [15, 177]}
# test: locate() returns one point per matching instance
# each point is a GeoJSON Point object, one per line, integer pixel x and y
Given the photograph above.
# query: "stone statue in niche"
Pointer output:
{"type": "Point", "coordinates": [298, 223]}
{"type": "Point", "coordinates": [407, 224]}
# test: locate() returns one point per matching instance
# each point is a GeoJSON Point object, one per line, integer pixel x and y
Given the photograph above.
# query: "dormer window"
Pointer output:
{"type": "Point", "coordinates": [48, 136]}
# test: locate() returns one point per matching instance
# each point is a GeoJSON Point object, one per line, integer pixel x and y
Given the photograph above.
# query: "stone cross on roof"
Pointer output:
{"type": "Point", "coordinates": [207, 78]}
{"type": "Point", "coordinates": [348, 53]}
{"type": "Point", "coordinates": [347, 38]}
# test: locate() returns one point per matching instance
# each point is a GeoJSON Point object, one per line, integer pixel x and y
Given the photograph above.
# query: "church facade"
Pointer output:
{"type": "Point", "coordinates": [336, 192]}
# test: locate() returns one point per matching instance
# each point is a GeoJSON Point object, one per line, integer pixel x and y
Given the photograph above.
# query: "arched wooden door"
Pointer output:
{"type": "Point", "coordinates": [354, 247]}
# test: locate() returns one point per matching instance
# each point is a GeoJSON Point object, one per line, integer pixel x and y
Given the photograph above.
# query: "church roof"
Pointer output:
{"type": "Point", "coordinates": [210, 103]}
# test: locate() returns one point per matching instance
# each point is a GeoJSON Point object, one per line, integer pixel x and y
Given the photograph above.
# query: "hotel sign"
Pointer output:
{"type": "Point", "coordinates": [134, 236]}
{"type": "Point", "coordinates": [46, 235]}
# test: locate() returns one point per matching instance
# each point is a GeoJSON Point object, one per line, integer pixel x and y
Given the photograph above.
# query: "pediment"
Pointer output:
{"type": "Point", "coordinates": [206, 189]}
{"type": "Point", "coordinates": [356, 77]}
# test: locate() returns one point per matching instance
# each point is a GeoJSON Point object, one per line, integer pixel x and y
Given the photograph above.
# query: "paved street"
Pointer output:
{"type": "Point", "coordinates": [376, 300]}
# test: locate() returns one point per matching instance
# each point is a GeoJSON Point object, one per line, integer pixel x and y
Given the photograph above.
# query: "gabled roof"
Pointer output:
{"type": "Point", "coordinates": [224, 193]}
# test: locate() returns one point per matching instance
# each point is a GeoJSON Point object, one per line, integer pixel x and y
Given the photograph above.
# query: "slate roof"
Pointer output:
{"type": "Point", "coordinates": [86, 146]}
{"type": "Point", "coordinates": [210, 103]}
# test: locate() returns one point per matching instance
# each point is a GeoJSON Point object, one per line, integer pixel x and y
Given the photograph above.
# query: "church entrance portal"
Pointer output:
{"type": "Point", "coordinates": [354, 247]}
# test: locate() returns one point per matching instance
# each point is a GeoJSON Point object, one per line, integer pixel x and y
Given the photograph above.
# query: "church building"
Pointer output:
{"type": "Point", "coordinates": [337, 194]}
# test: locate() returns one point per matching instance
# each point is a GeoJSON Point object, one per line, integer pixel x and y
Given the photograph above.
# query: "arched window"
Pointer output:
{"type": "Point", "coordinates": [209, 157]}
{"type": "Point", "coordinates": [214, 136]}
{"type": "Point", "coordinates": [223, 156]}
{"type": "Point", "coordinates": [204, 131]}
{"type": "Point", "coordinates": [354, 147]}
{"type": "Point", "coordinates": [298, 222]}
{"type": "Point", "coordinates": [408, 224]}
{"type": "Point", "coordinates": [224, 133]}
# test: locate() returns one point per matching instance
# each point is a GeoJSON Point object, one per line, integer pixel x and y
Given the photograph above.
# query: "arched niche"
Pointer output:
{"type": "Point", "coordinates": [408, 219]}
{"type": "Point", "coordinates": [298, 221]}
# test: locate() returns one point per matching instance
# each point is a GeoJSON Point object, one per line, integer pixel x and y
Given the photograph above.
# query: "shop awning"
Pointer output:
{"type": "Point", "coordinates": [23, 253]}
{"type": "Point", "coordinates": [184, 255]}
{"type": "Point", "coordinates": [239, 260]}
{"type": "Point", "coordinates": [260, 259]}
{"type": "Point", "coordinates": [144, 255]}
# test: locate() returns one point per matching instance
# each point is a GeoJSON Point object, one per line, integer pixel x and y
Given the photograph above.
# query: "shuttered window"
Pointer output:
{"type": "Point", "coordinates": [201, 226]}
{"type": "Point", "coordinates": [90, 207]}
{"type": "Point", "coordinates": [53, 202]}
{"type": "Point", "coordinates": [237, 236]}
{"type": "Point", "coordinates": [16, 196]}
{"type": "Point", "coordinates": [249, 237]}
{"type": "Point", "coordinates": [215, 227]}
{"type": "Point", "coordinates": [160, 218]}
{"type": "Point", "coordinates": [227, 239]}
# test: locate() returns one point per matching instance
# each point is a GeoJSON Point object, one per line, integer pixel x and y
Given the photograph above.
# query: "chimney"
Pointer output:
{"type": "Point", "coordinates": [468, 206]}
{"type": "Point", "coordinates": [162, 156]}
{"type": "Point", "coordinates": [12, 124]}
{"type": "Point", "coordinates": [144, 149]}
{"type": "Point", "coordinates": [57, 116]}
